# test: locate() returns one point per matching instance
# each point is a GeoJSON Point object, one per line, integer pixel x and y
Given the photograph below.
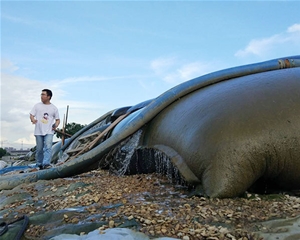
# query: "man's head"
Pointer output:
{"type": "Point", "coordinates": [46, 95]}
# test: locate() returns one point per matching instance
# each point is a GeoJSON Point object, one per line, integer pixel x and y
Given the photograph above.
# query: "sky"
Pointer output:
{"type": "Point", "coordinates": [97, 56]}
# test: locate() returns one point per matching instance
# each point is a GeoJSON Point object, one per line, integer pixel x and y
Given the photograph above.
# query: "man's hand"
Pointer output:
{"type": "Point", "coordinates": [32, 119]}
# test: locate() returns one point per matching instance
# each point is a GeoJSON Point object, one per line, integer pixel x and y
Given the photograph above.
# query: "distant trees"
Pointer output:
{"type": "Point", "coordinates": [2, 152]}
{"type": "Point", "coordinates": [71, 128]}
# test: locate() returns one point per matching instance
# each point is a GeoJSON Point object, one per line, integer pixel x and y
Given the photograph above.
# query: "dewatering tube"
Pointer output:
{"type": "Point", "coordinates": [138, 120]}
{"type": "Point", "coordinates": [179, 91]}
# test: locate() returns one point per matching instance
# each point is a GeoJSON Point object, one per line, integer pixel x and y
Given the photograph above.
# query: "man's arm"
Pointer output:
{"type": "Point", "coordinates": [57, 122]}
{"type": "Point", "coordinates": [32, 119]}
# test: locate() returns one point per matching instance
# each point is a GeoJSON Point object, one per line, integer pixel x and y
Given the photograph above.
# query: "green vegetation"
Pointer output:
{"type": "Point", "coordinates": [3, 152]}
{"type": "Point", "coordinates": [71, 128]}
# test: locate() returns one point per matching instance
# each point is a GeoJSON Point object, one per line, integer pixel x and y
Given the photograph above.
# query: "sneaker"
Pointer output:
{"type": "Point", "coordinates": [40, 167]}
{"type": "Point", "coordinates": [47, 166]}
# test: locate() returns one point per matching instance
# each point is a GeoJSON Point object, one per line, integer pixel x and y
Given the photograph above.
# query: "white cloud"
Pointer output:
{"type": "Point", "coordinates": [161, 65]}
{"type": "Point", "coordinates": [194, 69]}
{"type": "Point", "coordinates": [27, 20]}
{"type": "Point", "coordinates": [15, 19]}
{"type": "Point", "coordinates": [90, 79]}
{"type": "Point", "coordinates": [19, 94]}
{"type": "Point", "coordinates": [294, 28]}
{"type": "Point", "coordinates": [288, 41]}
{"type": "Point", "coordinates": [17, 98]}
{"type": "Point", "coordinates": [7, 65]}
{"type": "Point", "coordinates": [175, 72]}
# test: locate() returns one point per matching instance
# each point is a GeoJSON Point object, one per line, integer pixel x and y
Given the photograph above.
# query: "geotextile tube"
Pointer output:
{"type": "Point", "coordinates": [138, 119]}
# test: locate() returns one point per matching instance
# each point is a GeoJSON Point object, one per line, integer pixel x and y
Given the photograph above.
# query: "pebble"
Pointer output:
{"type": "Point", "coordinates": [161, 208]}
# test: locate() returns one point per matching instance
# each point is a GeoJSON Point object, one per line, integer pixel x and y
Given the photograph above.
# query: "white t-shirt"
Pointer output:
{"type": "Point", "coordinates": [45, 114]}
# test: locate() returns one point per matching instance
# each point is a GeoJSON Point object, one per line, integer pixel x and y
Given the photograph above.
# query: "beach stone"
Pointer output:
{"type": "Point", "coordinates": [147, 205]}
{"type": "Point", "coordinates": [111, 234]}
{"type": "Point", "coordinates": [9, 197]}
{"type": "Point", "coordinates": [285, 229]}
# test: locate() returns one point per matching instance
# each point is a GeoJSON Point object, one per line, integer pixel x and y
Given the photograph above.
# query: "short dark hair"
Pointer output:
{"type": "Point", "coordinates": [49, 92]}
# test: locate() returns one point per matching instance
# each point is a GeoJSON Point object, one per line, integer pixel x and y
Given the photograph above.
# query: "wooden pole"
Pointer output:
{"type": "Point", "coordinates": [94, 142]}
{"type": "Point", "coordinates": [63, 132]}
{"type": "Point", "coordinates": [67, 115]}
{"type": "Point", "coordinates": [64, 126]}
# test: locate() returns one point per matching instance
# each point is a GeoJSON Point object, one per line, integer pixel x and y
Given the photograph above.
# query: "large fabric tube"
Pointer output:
{"type": "Point", "coordinates": [135, 122]}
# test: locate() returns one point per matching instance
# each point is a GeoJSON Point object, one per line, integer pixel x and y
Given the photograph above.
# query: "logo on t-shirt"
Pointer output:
{"type": "Point", "coordinates": [45, 118]}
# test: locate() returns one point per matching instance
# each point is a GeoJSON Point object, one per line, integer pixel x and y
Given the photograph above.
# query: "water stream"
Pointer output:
{"type": "Point", "coordinates": [127, 158]}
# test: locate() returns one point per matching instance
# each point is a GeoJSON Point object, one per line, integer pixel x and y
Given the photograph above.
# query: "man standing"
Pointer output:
{"type": "Point", "coordinates": [45, 116]}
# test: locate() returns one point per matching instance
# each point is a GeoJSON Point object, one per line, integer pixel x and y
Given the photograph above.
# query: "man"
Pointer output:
{"type": "Point", "coordinates": [44, 115]}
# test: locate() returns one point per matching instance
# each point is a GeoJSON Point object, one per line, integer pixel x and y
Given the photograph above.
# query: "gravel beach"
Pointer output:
{"type": "Point", "coordinates": [147, 203]}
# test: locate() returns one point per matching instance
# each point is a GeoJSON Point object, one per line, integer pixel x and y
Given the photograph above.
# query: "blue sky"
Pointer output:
{"type": "Point", "coordinates": [100, 55]}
